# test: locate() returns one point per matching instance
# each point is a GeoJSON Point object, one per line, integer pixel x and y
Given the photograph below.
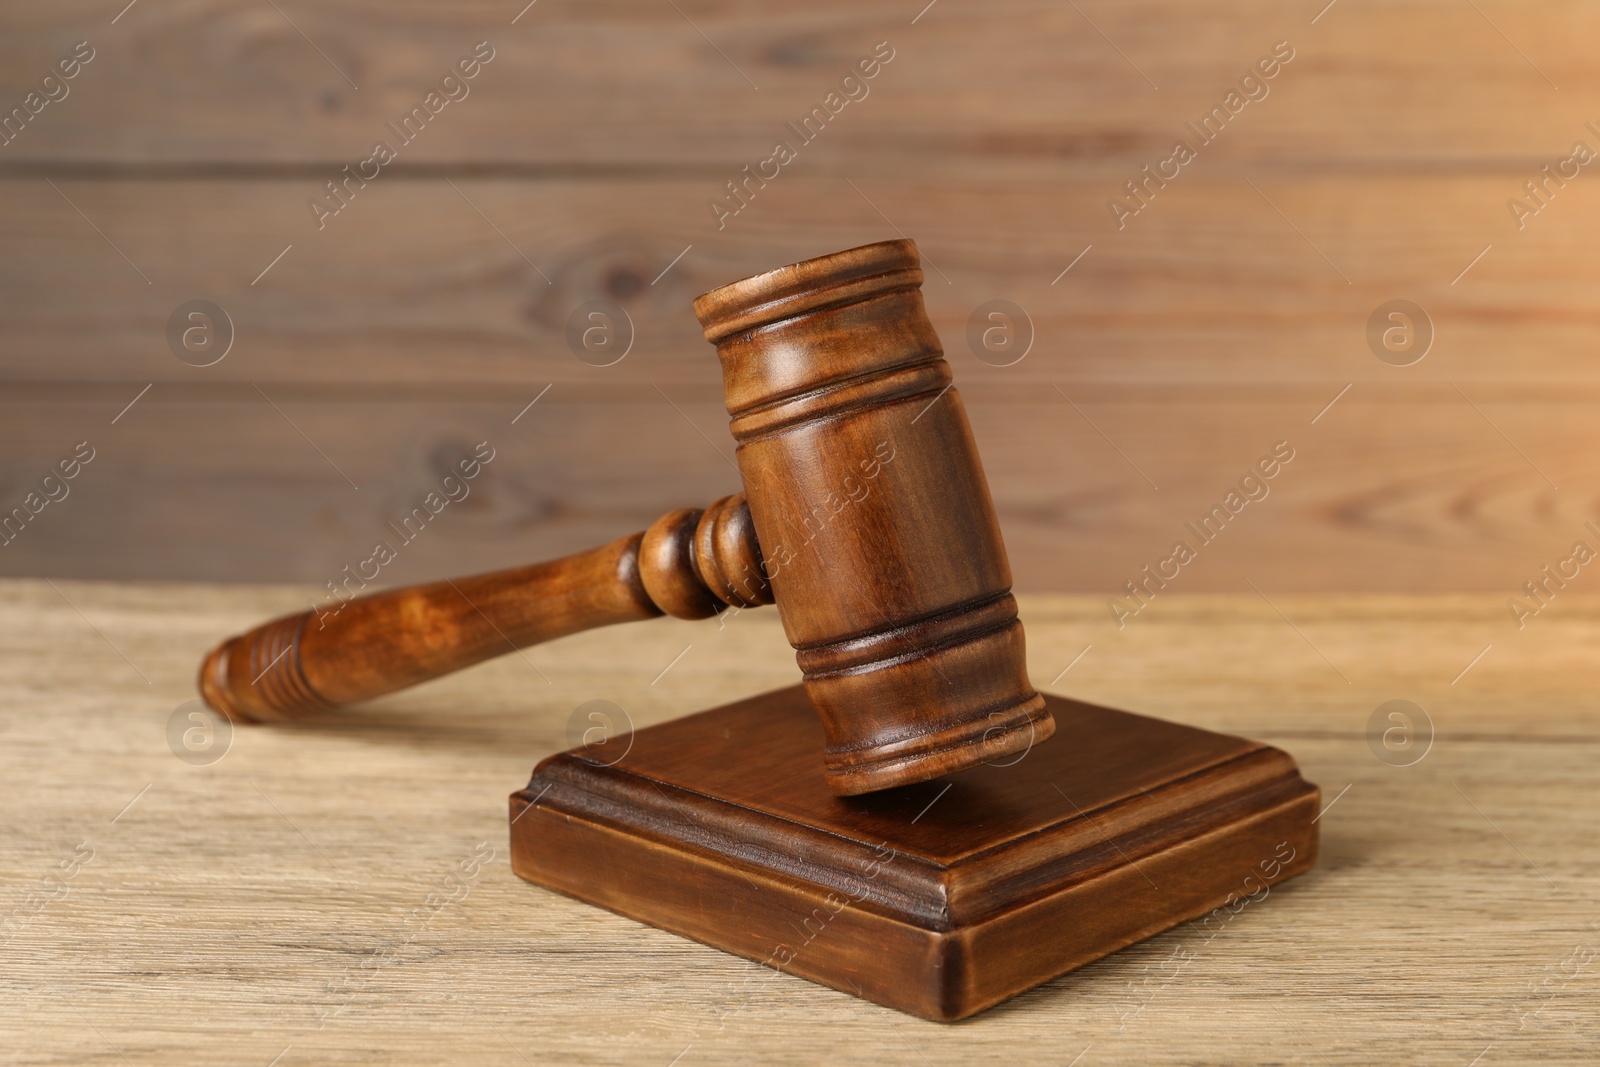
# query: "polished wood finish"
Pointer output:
{"type": "Point", "coordinates": [880, 545]}
{"type": "Point", "coordinates": [939, 899]}
{"type": "Point", "coordinates": [874, 517]}
{"type": "Point", "coordinates": [688, 563]}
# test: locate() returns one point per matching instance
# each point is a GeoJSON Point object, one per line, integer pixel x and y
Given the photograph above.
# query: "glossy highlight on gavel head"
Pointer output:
{"type": "Point", "coordinates": [865, 516]}
{"type": "Point", "coordinates": [876, 527]}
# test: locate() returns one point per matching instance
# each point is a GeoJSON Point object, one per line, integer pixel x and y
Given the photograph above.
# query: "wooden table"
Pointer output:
{"type": "Point", "coordinates": [340, 893]}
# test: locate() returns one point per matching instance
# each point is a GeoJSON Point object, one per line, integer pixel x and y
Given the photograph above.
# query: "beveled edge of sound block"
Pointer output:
{"type": "Point", "coordinates": [940, 921]}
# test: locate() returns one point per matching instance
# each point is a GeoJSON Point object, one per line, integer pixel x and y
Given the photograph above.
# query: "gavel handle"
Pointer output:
{"type": "Point", "coordinates": [688, 563]}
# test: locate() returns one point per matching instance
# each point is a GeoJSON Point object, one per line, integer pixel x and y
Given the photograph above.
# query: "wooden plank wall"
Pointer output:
{"type": "Point", "coordinates": [421, 319]}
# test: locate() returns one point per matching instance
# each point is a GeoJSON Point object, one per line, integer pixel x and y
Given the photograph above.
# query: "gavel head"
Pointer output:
{"type": "Point", "coordinates": [873, 517]}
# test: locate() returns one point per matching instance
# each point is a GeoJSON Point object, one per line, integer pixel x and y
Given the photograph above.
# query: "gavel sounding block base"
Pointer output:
{"type": "Point", "coordinates": [940, 899]}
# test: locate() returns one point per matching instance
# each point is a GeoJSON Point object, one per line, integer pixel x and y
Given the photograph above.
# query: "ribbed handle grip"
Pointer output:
{"type": "Point", "coordinates": [688, 563]}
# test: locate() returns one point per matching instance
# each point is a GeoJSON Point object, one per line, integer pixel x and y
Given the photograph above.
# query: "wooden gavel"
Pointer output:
{"type": "Point", "coordinates": [866, 518]}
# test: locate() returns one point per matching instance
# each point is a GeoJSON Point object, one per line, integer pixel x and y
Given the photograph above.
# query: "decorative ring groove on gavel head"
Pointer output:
{"type": "Point", "coordinates": [877, 531]}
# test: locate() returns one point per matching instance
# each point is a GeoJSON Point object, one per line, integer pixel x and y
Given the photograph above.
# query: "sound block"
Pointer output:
{"type": "Point", "coordinates": [939, 899]}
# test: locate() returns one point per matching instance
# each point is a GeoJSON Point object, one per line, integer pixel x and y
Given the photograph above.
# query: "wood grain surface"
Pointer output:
{"type": "Point", "coordinates": [1393, 488]}
{"type": "Point", "coordinates": [622, 84]}
{"type": "Point", "coordinates": [940, 899]}
{"type": "Point", "coordinates": [302, 897]}
{"type": "Point", "coordinates": [1379, 166]}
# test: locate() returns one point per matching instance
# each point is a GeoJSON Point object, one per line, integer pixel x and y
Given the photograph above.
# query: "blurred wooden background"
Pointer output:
{"type": "Point", "coordinates": [424, 318]}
